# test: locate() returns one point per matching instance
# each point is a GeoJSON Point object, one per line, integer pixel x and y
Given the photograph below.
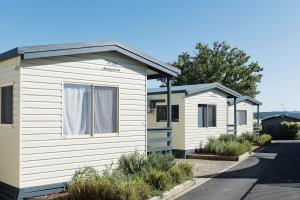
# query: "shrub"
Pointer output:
{"type": "Point", "coordinates": [85, 173]}
{"type": "Point", "coordinates": [237, 148]}
{"type": "Point", "coordinates": [181, 172]}
{"type": "Point", "coordinates": [264, 139]}
{"type": "Point", "coordinates": [248, 136]}
{"type": "Point", "coordinates": [227, 147]}
{"type": "Point", "coordinates": [214, 145]}
{"type": "Point", "coordinates": [132, 163]}
{"type": "Point", "coordinates": [158, 179]}
{"type": "Point", "coordinates": [160, 161]}
{"type": "Point", "coordinates": [228, 137]}
{"type": "Point", "coordinates": [289, 130]}
{"type": "Point", "coordinates": [108, 187]}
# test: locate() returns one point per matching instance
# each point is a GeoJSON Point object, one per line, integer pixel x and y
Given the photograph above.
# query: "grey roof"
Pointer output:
{"type": "Point", "coordinates": [30, 52]}
{"type": "Point", "coordinates": [245, 98]}
{"type": "Point", "coordinates": [280, 116]}
{"type": "Point", "coordinates": [191, 89]}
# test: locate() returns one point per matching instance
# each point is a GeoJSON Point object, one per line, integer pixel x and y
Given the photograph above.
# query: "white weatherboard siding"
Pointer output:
{"type": "Point", "coordinates": [245, 105]}
{"type": "Point", "coordinates": [9, 134]}
{"type": "Point", "coordinates": [177, 127]}
{"type": "Point", "coordinates": [47, 157]}
{"type": "Point", "coordinates": [195, 136]}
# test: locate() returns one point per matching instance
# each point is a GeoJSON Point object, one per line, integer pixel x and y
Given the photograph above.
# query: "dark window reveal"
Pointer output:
{"type": "Point", "coordinates": [162, 114]}
{"type": "Point", "coordinates": [7, 105]}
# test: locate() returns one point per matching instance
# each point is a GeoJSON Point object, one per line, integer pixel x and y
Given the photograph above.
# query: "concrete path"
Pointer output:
{"type": "Point", "coordinates": [273, 173]}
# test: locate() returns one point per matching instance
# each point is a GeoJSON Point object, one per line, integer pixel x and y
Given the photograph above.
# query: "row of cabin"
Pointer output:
{"type": "Point", "coordinates": [68, 106]}
{"type": "Point", "coordinates": [198, 113]}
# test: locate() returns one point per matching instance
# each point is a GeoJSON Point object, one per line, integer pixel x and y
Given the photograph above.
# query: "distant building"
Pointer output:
{"type": "Point", "coordinates": [271, 125]}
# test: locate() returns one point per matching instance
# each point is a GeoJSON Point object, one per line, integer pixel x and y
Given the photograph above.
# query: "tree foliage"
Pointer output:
{"type": "Point", "coordinates": [219, 63]}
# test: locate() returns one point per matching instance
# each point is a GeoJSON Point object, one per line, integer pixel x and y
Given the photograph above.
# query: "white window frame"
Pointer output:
{"type": "Point", "coordinates": [246, 118]}
{"type": "Point", "coordinates": [92, 134]}
{"type": "Point", "coordinates": [5, 84]}
{"type": "Point", "coordinates": [206, 126]}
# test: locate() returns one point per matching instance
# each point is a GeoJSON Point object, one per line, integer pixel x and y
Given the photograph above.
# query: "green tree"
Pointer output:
{"type": "Point", "coordinates": [219, 63]}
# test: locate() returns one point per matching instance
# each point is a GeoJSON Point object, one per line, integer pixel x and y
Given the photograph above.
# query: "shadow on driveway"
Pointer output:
{"type": "Point", "coordinates": [273, 173]}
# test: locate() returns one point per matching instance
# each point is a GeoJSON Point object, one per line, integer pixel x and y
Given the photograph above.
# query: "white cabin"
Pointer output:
{"type": "Point", "coordinates": [198, 112]}
{"type": "Point", "coordinates": [68, 106]}
{"type": "Point", "coordinates": [245, 108]}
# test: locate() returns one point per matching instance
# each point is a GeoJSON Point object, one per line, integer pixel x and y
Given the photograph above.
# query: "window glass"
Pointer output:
{"type": "Point", "coordinates": [207, 115]}
{"type": "Point", "coordinates": [77, 109]}
{"type": "Point", "coordinates": [161, 113]}
{"type": "Point", "coordinates": [106, 109]}
{"type": "Point", "coordinates": [202, 115]}
{"type": "Point", "coordinates": [242, 117]}
{"type": "Point", "coordinates": [175, 113]}
{"type": "Point", "coordinates": [7, 105]}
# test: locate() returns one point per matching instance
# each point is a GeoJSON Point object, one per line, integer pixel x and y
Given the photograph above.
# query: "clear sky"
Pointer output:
{"type": "Point", "coordinates": [268, 30]}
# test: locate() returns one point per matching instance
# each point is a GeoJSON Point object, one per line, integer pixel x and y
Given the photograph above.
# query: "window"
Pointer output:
{"type": "Point", "coordinates": [241, 117]}
{"type": "Point", "coordinates": [7, 105]}
{"type": "Point", "coordinates": [207, 115]}
{"type": "Point", "coordinates": [175, 113]}
{"type": "Point", "coordinates": [81, 101]}
{"type": "Point", "coordinates": [162, 113]}
{"type": "Point", "coordinates": [105, 110]}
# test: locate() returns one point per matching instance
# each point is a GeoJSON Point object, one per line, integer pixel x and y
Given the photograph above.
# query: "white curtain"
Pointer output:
{"type": "Point", "coordinates": [105, 104]}
{"type": "Point", "coordinates": [77, 109]}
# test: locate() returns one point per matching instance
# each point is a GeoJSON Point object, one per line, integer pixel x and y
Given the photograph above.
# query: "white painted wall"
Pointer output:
{"type": "Point", "coordinates": [47, 157]}
{"type": "Point", "coordinates": [244, 105]}
{"type": "Point", "coordinates": [186, 133]}
{"type": "Point", "coordinates": [177, 127]}
{"type": "Point", "coordinates": [195, 136]}
{"type": "Point", "coordinates": [10, 134]}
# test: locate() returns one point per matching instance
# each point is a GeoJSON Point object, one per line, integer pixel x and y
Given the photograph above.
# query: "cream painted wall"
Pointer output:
{"type": "Point", "coordinates": [178, 127]}
{"type": "Point", "coordinates": [46, 156]}
{"type": "Point", "coordinates": [245, 105]}
{"type": "Point", "coordinates": [10, 134]}
{"type": "Point", "coordinates": [195, 136]}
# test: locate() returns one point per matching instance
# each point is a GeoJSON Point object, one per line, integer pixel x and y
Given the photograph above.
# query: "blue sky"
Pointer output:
{"type": "Point", "coordinates": [268, 30]}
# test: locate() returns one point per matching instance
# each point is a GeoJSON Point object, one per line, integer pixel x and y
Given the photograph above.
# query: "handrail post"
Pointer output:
{"type": "Point", "coordinates": [257, 117]}
{"type": "Point", "coordinates": [169, 105]}
{"type": "Point", "coordinates": [234, 115]}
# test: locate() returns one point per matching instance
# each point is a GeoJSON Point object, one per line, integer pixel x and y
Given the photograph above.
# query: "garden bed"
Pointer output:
{"type": "Point", "coordinates": [136, 178]}
{"type": "Point", "coordinates": [231, 147]}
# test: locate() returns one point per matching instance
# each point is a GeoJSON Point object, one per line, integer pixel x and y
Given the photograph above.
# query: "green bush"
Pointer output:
{"type": "Point", "coordinates": [228, 137]}
{"type": "Point", "coordinates": [160, 161]}
{"type": "Point", "coordinates": [181, 172]}
{"type": "Point", "coordinates": [227, 146]}
{"type": "Point", "coordinates": [289, 130]}
{"type": "Point", "coordinates": [158, 179]}
{"type": "Point", "coordinates": [237, 148]}
{"type": "Point", "coordinates": [136, 178]}
{"type": "Point", "coordinates": [132, 163]}
{"type": "Point", "coordinates": [248, 136]}
{"type": "Point", "coordinates": [215, 146]}
{"type": "Point", "coordinates": [264, 139]}
{"type": "Point", "coordinates": [108, 187]}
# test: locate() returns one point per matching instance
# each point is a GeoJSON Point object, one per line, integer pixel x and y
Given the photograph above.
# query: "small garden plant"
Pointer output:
{"type": "Point", "coordinates": [232, 145]}
{"type": "Point", "coordinates": [136, 178]}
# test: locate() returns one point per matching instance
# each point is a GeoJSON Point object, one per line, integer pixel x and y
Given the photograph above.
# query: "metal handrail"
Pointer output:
{"type": "Point", "coordinates": [167, 140]}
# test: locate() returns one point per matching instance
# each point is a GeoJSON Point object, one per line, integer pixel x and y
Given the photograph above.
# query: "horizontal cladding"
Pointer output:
{"type": "Point", "coordinates": [242, 106]}
{"type": "Point", "coordinates": [49, 158]}
{"type": "Point", "coordinates": [195, 136]}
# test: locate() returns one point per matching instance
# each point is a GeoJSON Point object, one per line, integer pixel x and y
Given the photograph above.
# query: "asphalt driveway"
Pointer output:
{"type": "Point", "coordinates": [273, 173]}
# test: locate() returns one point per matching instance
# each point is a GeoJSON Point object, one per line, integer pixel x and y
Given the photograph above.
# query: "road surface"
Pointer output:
{"type": "Point", "coordinates": [271, 174]}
